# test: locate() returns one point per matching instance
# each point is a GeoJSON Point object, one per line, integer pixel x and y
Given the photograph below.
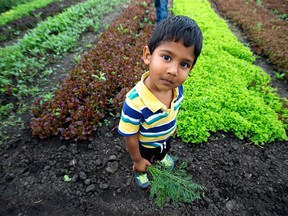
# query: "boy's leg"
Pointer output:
{"type": "Point", "coordinates": [165, 158]}
{"type": "Point", "coordinates": [152, 155]}
{"type": "Point", "coordinates": [149, 153]}
{"type": "Point", "coordinates": [159, 154]}
{"type": "Point", "coordinates": [155, 154]}
{"type": "Point", "coordinates": [141, 179]}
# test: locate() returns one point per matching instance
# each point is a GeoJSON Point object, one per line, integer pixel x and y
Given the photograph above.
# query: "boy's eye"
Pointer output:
{"type": "Point", "coordinates": [166, 57]}
{"type": "Point", "coordinates": [185, 65]}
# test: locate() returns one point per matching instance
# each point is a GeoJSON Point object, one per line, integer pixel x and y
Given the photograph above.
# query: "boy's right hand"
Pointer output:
{"type": "Point", "coordinates": [141, 164]}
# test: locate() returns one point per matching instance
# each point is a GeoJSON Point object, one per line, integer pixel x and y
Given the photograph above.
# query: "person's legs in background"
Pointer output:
{"type": "Point", "coordinates": [161, 7]}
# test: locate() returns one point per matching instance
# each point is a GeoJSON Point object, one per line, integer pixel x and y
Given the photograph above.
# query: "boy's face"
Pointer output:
{"type": "Point", "coordinates": [169, 65]}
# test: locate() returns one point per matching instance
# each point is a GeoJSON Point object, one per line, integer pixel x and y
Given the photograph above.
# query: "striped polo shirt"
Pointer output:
{"type": "Point", "coordinates": [144, 114]}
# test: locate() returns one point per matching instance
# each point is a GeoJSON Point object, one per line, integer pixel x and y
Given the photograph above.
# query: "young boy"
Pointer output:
{"type": "Point", "coordinates": [148, 117]}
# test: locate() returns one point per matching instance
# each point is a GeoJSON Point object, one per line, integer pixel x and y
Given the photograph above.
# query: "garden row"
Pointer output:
{"type": "Point", "coordinates": [6, 5]}
{"type": "Point", "coordinates": [225, 92]}
{"type": "Point", "coordinates": [24, 17]}
{"type": "Point", "coordinates": [22, 10]}
{"type": "Point", "coordinates": [101, 79]}
{"type": "Point", "coordinates": [24, 62]}
{"type": "Point", "coordinates": [264, 23]}
{"type": "Point", "coordinates": [278, 7]}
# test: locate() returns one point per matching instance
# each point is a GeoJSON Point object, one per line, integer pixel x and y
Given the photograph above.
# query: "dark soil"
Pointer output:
{"type": "Point", "coordinates": [241, 178]}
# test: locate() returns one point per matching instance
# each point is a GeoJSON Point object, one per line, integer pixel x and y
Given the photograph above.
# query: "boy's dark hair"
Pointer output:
{"type": "Point", "coordinates": [178, 28]}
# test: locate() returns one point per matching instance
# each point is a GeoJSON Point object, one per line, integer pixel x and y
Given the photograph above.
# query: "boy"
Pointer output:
{"type": "Point", "coordinates": [148, 117]}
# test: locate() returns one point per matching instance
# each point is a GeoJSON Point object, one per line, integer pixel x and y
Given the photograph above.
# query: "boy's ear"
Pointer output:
{"type": "Point", "coordinates": [146, 55]}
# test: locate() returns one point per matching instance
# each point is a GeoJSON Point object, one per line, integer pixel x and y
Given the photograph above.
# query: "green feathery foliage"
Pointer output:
{"type": "Point", "coordinates": [174, 185]}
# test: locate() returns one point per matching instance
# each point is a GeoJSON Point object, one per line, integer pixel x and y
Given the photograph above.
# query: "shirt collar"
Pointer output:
{"type": "Point", "coordinates": [148, 98]}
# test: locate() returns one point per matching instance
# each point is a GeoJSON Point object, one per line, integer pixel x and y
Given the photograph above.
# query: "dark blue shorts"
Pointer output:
{"type": "Point", "coordinates": [155, 154]}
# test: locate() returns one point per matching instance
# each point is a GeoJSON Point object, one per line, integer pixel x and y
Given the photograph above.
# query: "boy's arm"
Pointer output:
{"type": "Point", "coordinates": [132, 144]}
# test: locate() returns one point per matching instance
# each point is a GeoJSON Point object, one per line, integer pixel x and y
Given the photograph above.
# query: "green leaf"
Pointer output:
{"type": "Point", "coordinates": [175, 186]}
{"type": "Point", "coordinates": [66, 178]}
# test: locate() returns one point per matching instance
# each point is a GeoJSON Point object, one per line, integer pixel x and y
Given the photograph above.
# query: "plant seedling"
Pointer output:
{"type": "Point", "coordinates": [66, 178]}
{"type": "Point", "coordinates": [175, 185]}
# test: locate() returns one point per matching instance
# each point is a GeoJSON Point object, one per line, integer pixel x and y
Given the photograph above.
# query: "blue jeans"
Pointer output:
{"type": "Point", "coordinates": [161, 9]}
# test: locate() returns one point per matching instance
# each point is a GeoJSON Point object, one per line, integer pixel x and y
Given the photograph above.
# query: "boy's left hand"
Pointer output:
{"type": "Point", "coordinates": [140, 165]}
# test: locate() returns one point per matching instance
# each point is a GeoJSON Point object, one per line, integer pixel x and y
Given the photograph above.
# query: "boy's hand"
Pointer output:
{"type": "Point", "coordinates": [141, 164]}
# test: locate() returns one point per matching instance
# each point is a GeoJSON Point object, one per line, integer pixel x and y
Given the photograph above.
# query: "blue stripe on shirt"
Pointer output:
{"type": "Point", "coordinates": [155, 134]}
{"type": "Point", "coordinates": [153, 117]}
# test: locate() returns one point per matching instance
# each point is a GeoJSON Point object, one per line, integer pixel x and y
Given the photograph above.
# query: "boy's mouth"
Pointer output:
{"type": "Point", "coordinates": [167, 82]}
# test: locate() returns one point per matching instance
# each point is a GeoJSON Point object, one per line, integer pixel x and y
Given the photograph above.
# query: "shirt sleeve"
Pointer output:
{"type": "Point", "coordinates": [130, 119]}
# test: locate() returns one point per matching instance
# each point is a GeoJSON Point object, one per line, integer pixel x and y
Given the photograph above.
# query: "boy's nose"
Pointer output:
{"type": "Point", "coordinates": [173, 69]}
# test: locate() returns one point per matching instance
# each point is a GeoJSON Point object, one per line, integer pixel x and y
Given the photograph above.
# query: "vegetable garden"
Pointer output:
{"type": "Point", "coordinates": [59, 116]}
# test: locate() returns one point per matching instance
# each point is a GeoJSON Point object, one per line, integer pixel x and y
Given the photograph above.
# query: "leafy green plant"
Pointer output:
{"type": "Point", "coordinates": [283, 16]}
{"type": "Point", "coordinates": [100, 77]}
{"type": "Point", "coordinates": [175, 186]}
{"type": "Point", "coordinates": [279, 75]}
{"type": "Point", "coordinates": [6, 109]}
{"type": "Point", "coordinates": [6, 5]}
{"type": "Point", "coordinates": [22, 10]}
{"type": "Point", "coordinates": [225, 91]}
{"type": "Point", "coordinates": [259, 2]}
{"type": "Point", "coordinates": [122, 29]}
{"type": "Point", "coordinates": [66, 178]}
{"type": "Point", "coordinates": [259, 26]}
{"type": "Point", "coordinates": [267, 32]}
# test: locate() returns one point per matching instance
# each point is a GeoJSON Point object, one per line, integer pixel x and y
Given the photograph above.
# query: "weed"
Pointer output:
{"type": "Point", "coordinates": [279, 75]}
{"type": "Point", "coordinates": [121, 29]}
{"type": "Point", "coordinates": [259, 26]}
{"type": "Point", "coordinates": [6, 109]}
{"type": "Point", "coordinates": [259, 2]}
{"type": "Point", "coordinates": [100, 77]}
{"type": "Point", "coordinates": [175, 185]}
